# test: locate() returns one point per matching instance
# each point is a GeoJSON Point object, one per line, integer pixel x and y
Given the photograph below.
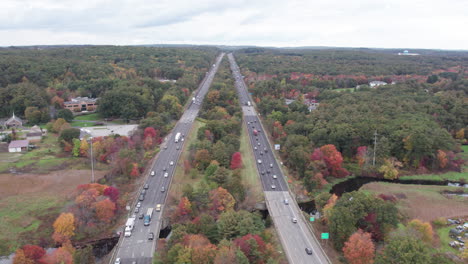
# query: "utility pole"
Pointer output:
{"type": "Point", "coordinates": [375, 146]}
{"type": "Point", "coordinates": [92, 161]}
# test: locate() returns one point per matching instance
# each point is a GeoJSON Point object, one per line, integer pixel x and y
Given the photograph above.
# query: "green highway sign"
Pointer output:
{"type": "Point", "coordinates": [312, 219]}
{"type": "Point", "coordinates": [325, 235]}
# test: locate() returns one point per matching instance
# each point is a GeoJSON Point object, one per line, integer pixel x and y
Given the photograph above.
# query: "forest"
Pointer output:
{"type": "Point", "coordinates": [126, 79]}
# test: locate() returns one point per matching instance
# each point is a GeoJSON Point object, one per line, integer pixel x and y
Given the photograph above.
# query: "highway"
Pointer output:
{"type": "Point", "coordinates": [137, 248]}
{"type": "Point", "coordinates": [295, 237]}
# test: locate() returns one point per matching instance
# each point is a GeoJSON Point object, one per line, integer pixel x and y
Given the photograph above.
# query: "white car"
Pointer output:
{"type": "Point", "coordinates": [294, 220]}
{"type": "Point", "coordinates": [259, 161]}
{"type": "Point", "coordinates": [271, 165]}
{"type": "Point", "coordinates": [138, 205]}
{"type": "Point", "coordinates": [273, 186]}
{"type": "Point", "coordinates": [166, 174]}
{"type": "Point", "coordinates": [152, 173]}
{"type": "Point", "coordinates": [117, 261]}
{"type": "Point", "coordinates": [274, 176]}
{"type": "Point", "coordinates": [171, 163]}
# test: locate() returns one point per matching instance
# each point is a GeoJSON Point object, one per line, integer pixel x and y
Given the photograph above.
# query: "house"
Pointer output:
{"type": "Point", "coordinates": [18, 146]}
{"type": "Point", "coordinates": [34, 136]}
{"type": "Point", "coordinates": [312, 104]}
{"type": "Point", "coordinates": [79, 104]}
{"type": "Point", "coordinates": [13, 121]}
{"type": "Point", "coordinates": [376, 83]}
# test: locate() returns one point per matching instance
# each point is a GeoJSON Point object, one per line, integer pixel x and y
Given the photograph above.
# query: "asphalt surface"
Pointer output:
{"type": "Point", "coordinates": [295, 237]}
{"type": "Point", "coordinates": [137, 248]}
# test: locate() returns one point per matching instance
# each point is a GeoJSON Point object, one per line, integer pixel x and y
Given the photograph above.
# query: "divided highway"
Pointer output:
{"type": "Point", "coordinates": [291, 226]}
{"type": "Point", "coordinates": [137, 248]}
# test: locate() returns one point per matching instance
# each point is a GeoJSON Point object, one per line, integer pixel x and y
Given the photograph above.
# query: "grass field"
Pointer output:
{"type": "Point", "coordinates": [26, 219]}
{"type": "Point", "coordinates": [90, 117]}
{"type": "Point", "coordinates": [422, 201]}
{"type": "Point", "coordinates": [450, 176]}
{"type": "Point", "coordinates": [83, 124]}
{"type": "Point", "coordinates": [249, 174]}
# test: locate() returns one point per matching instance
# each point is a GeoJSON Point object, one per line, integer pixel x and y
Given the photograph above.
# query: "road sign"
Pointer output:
{"type": "Point", "coordinates": [277, 146]}
{"type": "Point", "coordinates": [312, 219]}
{"type": "Point", "coordinates": [325, 235]}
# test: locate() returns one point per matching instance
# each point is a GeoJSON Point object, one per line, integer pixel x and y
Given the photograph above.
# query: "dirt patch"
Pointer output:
{"type": "Point", "coordinates": [426, 203]}
{"type": "Point", "coordinates": [60, 183]}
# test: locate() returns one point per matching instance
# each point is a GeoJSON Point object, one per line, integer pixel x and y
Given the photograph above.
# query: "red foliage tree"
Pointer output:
{"type": "Point", "coordinates": [59, 256]}
{"type": "Point", "coordinates": [221, 200]}
{"type": "Point", "coordinates": [33, 252]}
{"type": "Point", "coordinates": [112, 193]}
{"type": "Point", "coordinates": [135, 172]}
{"type": "Point", "coordinates": [332, 159]}
{"type": "Point", "coordinates": [236, 161]}
{"type": "Point", "coordinates": [149, 132]}
{"type": "Point", "coordinates": [184, 208]}
{"type": "Point", "coordinates": [253, 247]}
{"type": "Point", "coordinates": [359, 249]}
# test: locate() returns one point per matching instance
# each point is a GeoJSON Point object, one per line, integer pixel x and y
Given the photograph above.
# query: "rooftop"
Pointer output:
{"type": "Point", "coordinates": [18, 144]}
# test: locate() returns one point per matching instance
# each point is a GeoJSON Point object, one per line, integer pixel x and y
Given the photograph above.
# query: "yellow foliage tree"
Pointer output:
{"type": "Point", "coordinates": [64, 227]}
{"type": "Point", "coordinates": [423, 228]}
{"type": "Point", "coordinates": [84, 147]}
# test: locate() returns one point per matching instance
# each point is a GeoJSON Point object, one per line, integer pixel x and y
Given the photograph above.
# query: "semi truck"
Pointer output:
{"type": "Point", "coordinates": [129, 226]}
{"type": "Point", "coordinates": [177, 137]}
{"type": "Point", "coordinates": [148, 216]}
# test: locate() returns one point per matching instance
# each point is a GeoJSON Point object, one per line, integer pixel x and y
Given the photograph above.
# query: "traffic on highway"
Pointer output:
{"type": "Point", "coordinates": [138, 243]}
{"type": "Point", "coordinates": [299, 243]}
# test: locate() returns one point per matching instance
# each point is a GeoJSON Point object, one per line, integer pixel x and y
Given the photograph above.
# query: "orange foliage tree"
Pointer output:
{"type": "Point", "coordinates": [359, 249]}
{"type": "Point", "coordinates": [20, 258]}
{"type": "Point", "coordinates": [64, 227]}
{"type": "Point", "coordinates": [105, 210]}
{"type": "Point", "coordinates": [221, 200]}
{"type": "Point", "coordinates": [134, 172]}
{"type": "Point", "coordinates": [423, 228]}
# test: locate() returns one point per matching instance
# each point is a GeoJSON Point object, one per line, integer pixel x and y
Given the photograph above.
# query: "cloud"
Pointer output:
{"type": "Point", "coordinates": [363, 23]}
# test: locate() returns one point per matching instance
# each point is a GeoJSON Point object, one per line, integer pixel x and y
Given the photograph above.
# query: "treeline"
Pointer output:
{"type": "Point", "coordinates": [125, 78]}
{"type": "Point", "coordinates": [208, 227]}
{"type": "Point", "coordinates": [345, 61]}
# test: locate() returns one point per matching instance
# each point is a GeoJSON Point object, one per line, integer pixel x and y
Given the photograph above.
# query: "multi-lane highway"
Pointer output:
{"type": "Point", "coordinates": [291, 226]}
{"type": "Point", "coordinates": [137, 248]}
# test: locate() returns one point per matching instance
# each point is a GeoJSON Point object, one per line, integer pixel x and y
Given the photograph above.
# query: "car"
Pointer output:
{"type": "Point", "coordinates": [140, 216]}
{"type": "Point", "coordinates": [248, 123]}
{"type": "Point", "coordinates": [164, 169]}
{"type": "Point", "coordinates": [274, 176]}
{"type": "Point", "coordinates": [163, 189]}
{"type": "Point", "coordinates": [286, 202]}
{"type": "Point", "coordinates": [258, 143]}
{"type": "Point", "coordinates": [146, 187]}
{"type": "Point", "coordinates": [182, 139]}
{"type": "Point", "coordinates": [151, 236]}
{"type": "Point", "coordinates": [268, 171]}
{"type": "Point", "coordinates": [255, 148]}
{"type": "Point", "coordinates": [158, 207]}
{"type": "Point", "coordinates": [308, 251]}
{"type": "Point", "coordinates": [259, 130]}
{"type": "Point", "coordinates": [259, 161]}
{"type": "Point", "coordinates": [265, 149]}
{"type": "Point", "coordinates": [271, 165]}
{"type": "Point", "coordinates": [166, 175]}
{"type": "Point", "coordinates": [142, 197]}
{"type": "Point", "coordinates": [165, 146]}
{"type": "Point", "coordinates": [143, 192]}
{"type": "Point", "coordinates": [255, 121]}
{"type": "Point", "coordinates": [294, 220]}
{"type": "Point", "coordinates": [256, 138]}
{"type": "Point", "coordinates": [152, 173]}
{"type": "Point", "coordinates": [177, 147]}
{"type": "Point", "coordinates": [117, 261]}
{"type": "Point", "coordinates": [136, 210]}
{"type": "Point", "coordinates": [261, 152]}
{"type": "Point", "coordinates": [171, 163]}
{"type": "Point", "coordinates": [273, 186]}
{"type": "Point", "coordinates": [263, 172]}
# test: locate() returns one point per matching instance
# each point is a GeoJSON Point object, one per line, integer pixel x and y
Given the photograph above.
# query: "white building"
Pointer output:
{"type": "Point", "coordinates": [18, 146]}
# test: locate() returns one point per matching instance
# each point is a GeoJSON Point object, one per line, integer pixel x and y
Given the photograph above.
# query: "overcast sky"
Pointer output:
{"type": "Point", "coordinates": [343, 23]}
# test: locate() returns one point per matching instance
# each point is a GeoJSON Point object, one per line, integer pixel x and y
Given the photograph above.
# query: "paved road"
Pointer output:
{"type": "Point", "coordinates": [295, 237]}
{"type": "Point", "coordinates": [137, 247]}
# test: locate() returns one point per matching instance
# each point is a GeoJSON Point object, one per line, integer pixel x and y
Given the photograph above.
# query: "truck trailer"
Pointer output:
{"type": "Point", "coordinates": [177, 137]}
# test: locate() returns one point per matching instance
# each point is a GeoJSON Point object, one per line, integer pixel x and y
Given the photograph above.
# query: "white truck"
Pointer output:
{"type": "Point", "coordinates": [177, 137]}
{"type": "Point", "coordinates": [129, 226]}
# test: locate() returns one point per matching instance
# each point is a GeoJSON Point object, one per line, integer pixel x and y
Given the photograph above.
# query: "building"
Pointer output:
{"type": "Point", "coordinates": [13, 122]}
{"type": "Point", "coordinates": [79, 104]}
{"type": "Point", "coordinates": [18, 146]}
{"type": "Point", "coordinates": [34, 136]}
{"type": "Point", "coordinates": [376, 83]}
{"type": "Point", "coordinates": [407, 53]}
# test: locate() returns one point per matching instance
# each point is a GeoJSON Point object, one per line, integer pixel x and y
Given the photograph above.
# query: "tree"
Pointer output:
{"type": "Point", "coordinates": [228, 224]}
{"type": "Point", "coordinates": [184, 209]}
{"type": "Point", "coordinates": [148, 143]}
{"type": "Point", "coordinates": [404, 249]}
{"type": "Point", "coordinates": [20, 258]}
{"type": "Point", "coordinates": [202, 158]}
{"type": "Point", "coordinates": [112, 193]}
{"type": "Point", "coordinates": [135, 172]}
{"type": "Point", "coordinates": [33, 115]}
{"type": "Point", "coordinates": [59, 256]}
{"type": "Point", "coordinates": [84, 255]}
{"type": "Point", "coordinates": [65, 114]}
{"type": "Point", "coordinates": [149, 132]}
{"type": "Point", "coordinates": [33, 252]}
{"type": "Point", "coordinates": [76, 147]}
{"type": "Point", "coordinates": [69, 134]}
{"type": "Point", "coordinates": [442, 158]}
{"type": "Point", "coordinates": [253, 247]}
{"type": "Point", "coordinates": [84, 147]}
{"type": "Point", "coordinates": [105, 210]}
{"type": "Point", "coordinates": [64, 227]}
{"type": "Point", "coordinates": [58, 124]}
{"type": "Point", "coordinates": [221, 200]}
{"type": "Point", "coordinates": [389, 170]}
{"type": "Point", "coordinates": [359, 249]}
{"type": "Point", "coordinates": [236, 161]}
{"type": "Point", "coordinates": [423, 228]}
{"type": "Point", "coordinates": [333, 159]}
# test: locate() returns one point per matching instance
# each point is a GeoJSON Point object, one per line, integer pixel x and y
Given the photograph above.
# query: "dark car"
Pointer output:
{"type": "Point", "coordinates": [140, 216]}
{"type": "Point", "coordinates": [146, 187]}
{"type": "Point", "coordinates": [263, 172]}
{"type": "Point", "coordinates": [142, 197]}
{"type": "Point", "coordinates": [151, 236]}
{"type": "Point", "coordinates": [308, 251]}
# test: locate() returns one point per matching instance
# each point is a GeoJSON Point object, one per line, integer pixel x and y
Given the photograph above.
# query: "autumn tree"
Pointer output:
{"type": "Point", "coordinates": [84, 147]}
{"type": "Point", "coordinates": [202, 158]}
{"type": "Point", "coordinates": [20, 258]}
{"type": "Point", "coordinates": [221, 200]}
{"type": "Point", "coordinates": [135, 172]}
{"type": "Point", "coordinates": [390, 169]}
{"type": "Point", "coordinates": [361, 155]}
{"type": "Point", "coordinates": [359, 249]}
{"type": "Point", "coordinates": [148, 143]}
{"type": "Point", "coordinates": [59, 256]}
{"type": "Point", "coordinates": [442, 158]}
{"type": "Point", "coordinates": [76, 147]}
{"type": "Point", "coordinates": [33, 252]}
{"type": "Point", "coordinates": [236, 161]}
{"type": "Point", "coordinates": [253, 247]}
{"type": "Point", "coordinates": [333, 159]}
{"type": "Point", "coordinates": [58, 124]}
{"type": "Point", "coordinates": [184, 209]}
{"type": "Point", "coordinates": [424, 229]}
{"type": "Point", "coordinates": [112, 193]}
{"type": "Point", "coordinates": [105, 210]}
{"type": "Point", "coordinates": [149, 132]}
{"type": "Point", "coordinates": [64, 227]}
